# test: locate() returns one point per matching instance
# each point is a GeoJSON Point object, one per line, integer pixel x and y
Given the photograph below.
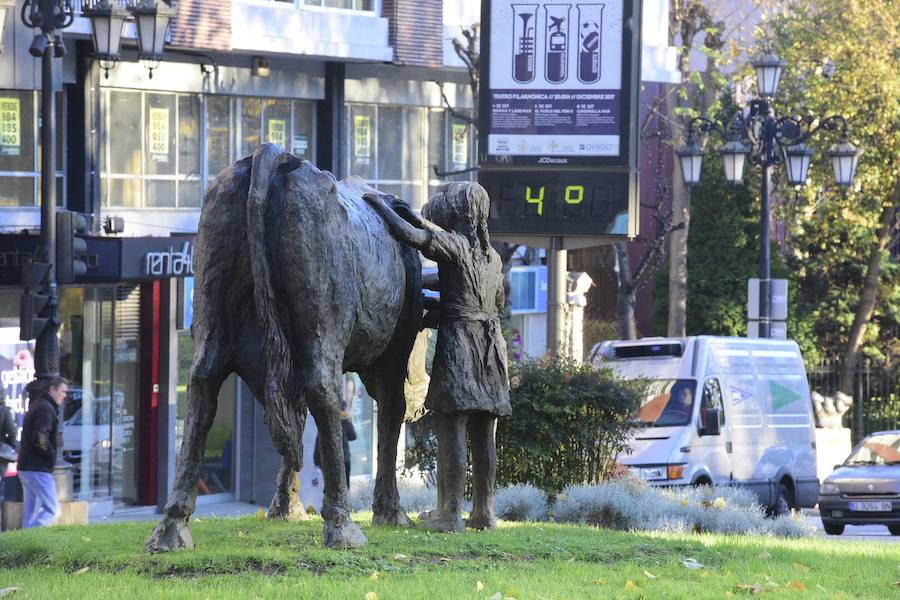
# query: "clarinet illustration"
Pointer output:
{"type": "Point", "coordinates": [524, 47]}
{"type": "Point", "coordinates": [590, 24]}
{"type": "Point", "coordinates": [556, 44]}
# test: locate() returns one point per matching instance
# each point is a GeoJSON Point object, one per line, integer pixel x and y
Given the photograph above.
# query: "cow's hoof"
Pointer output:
{"type": "Point", "coordinates": [345, 534]}
{"type": "Point", "coordinates": [287, 509]}
{"type": "Point", "coordinates": [396, 517]}
{"type": "Point", "coordinates": [170, 534]}
{"type": "Point", "coordinates": [481, 522]}
{"type": "Point", "coordinates": [436, 521]}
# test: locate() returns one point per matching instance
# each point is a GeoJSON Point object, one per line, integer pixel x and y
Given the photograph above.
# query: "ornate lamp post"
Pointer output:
{"type": "Point", "coordinates": [39, 276]}
{"type": "Point", "coordinates": [767, 140]}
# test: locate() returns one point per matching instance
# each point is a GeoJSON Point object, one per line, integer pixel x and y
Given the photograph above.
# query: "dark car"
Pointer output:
{"type": "Point", "coordinates": [865, 490]}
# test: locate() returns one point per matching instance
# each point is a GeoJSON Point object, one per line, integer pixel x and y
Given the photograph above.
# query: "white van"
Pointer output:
{"type": "Point", "coordinates": [721, 410]}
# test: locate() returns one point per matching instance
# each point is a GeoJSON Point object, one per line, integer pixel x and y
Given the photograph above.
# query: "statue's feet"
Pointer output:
{"type": "Point", "coordinates": [481, 521]}
{"type": "Point", "coordinates": [396, 516]}
{"type": "Point", "coordinates": [344, 534]}
{"type": "Point", "coordinates": [287, 507]}
{"type": "Point", "coordinates": [436, 521]}
{"type": "Point", "coordinates": [170, 534]}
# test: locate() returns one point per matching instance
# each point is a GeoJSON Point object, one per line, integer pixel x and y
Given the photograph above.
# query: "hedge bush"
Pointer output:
{"type": "Point", "coordinates": [568, 424]}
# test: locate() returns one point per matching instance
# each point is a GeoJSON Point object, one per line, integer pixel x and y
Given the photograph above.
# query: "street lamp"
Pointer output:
{"type": "Point", "coordinates": [107, 23]}
{"type": "Point", "coordinates": [152, 21]}
{"type": "Point", "coordinates": [758, 136]}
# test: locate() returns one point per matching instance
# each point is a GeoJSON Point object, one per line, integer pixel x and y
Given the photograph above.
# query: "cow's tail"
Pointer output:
{"type": "Point", "coordinates": [282, 417]}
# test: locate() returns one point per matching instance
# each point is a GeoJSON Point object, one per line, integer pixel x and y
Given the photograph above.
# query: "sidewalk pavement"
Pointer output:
{"type": "Point", "coordinates": [218, 509]}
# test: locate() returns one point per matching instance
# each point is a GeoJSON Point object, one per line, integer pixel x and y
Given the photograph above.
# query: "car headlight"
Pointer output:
{"type": "Point", "coordinates": [649, 473]}
{"type": "Point", "coordinates": [829, 488]}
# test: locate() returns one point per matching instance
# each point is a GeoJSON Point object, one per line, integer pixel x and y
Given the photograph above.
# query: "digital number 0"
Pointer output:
{"type": "Point", "coordinates": [539, 200]}
{"type": "Point", "coordinates": [578, 194]}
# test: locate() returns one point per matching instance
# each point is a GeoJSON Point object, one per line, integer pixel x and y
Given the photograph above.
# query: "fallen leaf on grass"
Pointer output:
{"type": "Point", "coordinates": [444, 559]}
{"type": "Point", "coordinates": [649, 575]}
{"type": "Point", "coordinates": [630, 585]}
{"type": "Point", "coordinates": [371, 596]}
{"type": "Point", "coordinates": [754, 588]}
{"type": "Point", "coordinates": [241, 533]}
{"type": "Point", "coordinates": [85, 538]}
{"type": "Point", "coordinates": [399, 556]}
{"type": "Point", "coordinates": [497, 596]}
{"type": "Point", "coordinates": [260, 515]}
{"type": "Point", "coordinates": [691, 563]}
{"type": "Point", "coordinates": [601, 581]}
{"type": "Point", "coordinates": [479, 587]}
{"type": "Point", "coordinates": [374, 576]}
{"type": "Point", "coordinates": [9, 590]}
{"type": "Point", "coordinates": [764, 556]}
{"type": "Point", "coordinates": [82, 570]}
{"type": "Point", "coordinates": [796, 585]}
{"type": "Point", "coordinates": [800, 567]}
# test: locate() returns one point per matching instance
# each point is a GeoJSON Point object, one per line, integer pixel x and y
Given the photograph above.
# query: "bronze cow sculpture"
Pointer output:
{"type": "Point", "coordinates": [297, 280]}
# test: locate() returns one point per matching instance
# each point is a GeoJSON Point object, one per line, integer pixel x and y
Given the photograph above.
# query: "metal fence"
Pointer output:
{"type": "Point", "coordinates": [876, 395]}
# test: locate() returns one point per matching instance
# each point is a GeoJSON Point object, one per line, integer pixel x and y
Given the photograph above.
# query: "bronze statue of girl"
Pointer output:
{"type": "Point", "coordinates": [469, 384]}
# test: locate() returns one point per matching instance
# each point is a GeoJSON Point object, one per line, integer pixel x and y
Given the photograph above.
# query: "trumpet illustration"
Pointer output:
{"type": "Point", "coordinates": [524, 47]}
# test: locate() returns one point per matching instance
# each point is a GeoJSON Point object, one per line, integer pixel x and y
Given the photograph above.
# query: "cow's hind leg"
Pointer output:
{"type": "Point", "coordinates": [387, 388]}
{"type": "Point", "coordinates": [324, 396]}
{"type": "Point", "coordinates": [286, 501]}
{"type": "Point", "coordinates": [207, 374]}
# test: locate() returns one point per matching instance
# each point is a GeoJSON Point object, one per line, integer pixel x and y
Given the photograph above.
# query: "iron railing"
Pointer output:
{"type": "Point", "coordinates": [876, 394]}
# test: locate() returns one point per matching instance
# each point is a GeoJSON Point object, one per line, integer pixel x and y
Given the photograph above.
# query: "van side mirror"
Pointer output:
{"type": "Point", "coordinates": [713, 419]}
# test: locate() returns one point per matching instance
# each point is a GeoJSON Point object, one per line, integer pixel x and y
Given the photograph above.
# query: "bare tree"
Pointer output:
{"type": "Point", "coordinates": [629, 280]}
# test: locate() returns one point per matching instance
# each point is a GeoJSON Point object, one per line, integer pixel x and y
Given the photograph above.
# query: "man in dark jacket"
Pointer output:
{"type": "Point", "coordinates": [38, 452]}
{"type": "Point", "coordinates": [348, 434]}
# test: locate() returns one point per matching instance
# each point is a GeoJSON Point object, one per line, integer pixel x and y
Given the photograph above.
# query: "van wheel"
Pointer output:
{"type": "Point", "coordinates": [833, 528]}
{"type": "Point", "coordinates": [782, 504]}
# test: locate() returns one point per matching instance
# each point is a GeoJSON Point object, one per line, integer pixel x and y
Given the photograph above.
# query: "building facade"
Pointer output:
{"type": "Point", "coordinates": [360, 87]}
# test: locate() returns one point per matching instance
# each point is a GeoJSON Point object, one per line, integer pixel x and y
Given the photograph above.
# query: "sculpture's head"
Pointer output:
{"type": "Point", "coordinates": [462, 207]}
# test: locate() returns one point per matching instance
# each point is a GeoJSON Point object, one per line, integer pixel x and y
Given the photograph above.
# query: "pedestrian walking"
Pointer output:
{"type": "Point", "coordinates": [38, 453]}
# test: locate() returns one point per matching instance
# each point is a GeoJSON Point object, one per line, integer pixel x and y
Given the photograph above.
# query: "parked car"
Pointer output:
{"type": "Point", "coordinates": [865, 490]}
{"type": "Point", "coordinates": [723, 411]}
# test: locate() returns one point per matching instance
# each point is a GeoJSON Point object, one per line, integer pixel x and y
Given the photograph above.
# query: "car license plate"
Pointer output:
{"type": "Point", "coordinates": [870, 506]}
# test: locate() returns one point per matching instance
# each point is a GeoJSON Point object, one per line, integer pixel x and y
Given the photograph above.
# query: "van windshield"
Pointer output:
{"type": "Point", "coordinates": [668, 402]}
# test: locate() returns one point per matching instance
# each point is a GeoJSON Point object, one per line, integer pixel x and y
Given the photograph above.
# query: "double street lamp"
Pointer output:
{"type": "Point", "coordinates": [39, 311]}
{"type": "Point", "coordinates": [767, 140]}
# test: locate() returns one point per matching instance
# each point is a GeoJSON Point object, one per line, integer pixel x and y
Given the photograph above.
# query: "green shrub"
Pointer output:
{"type": "Point", "coordinates": [569, 421]}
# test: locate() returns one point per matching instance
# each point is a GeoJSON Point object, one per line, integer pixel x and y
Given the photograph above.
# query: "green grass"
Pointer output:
{"type": "Point", "coordinates": [251, 558]}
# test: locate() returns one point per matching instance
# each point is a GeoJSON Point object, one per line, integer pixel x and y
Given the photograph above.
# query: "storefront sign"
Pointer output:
{"type": "Point", "coordinates": [173, 262]}
{"type": "Point", "coordinates": [301, 145]}
{"type": "Point", "coordinates": [278, 132]}
{"type": "Point", "coordinates": [362, 137]}
{"type": "Point", "coordinates": [10, 127]}
{"type": "Point", "coordinates": [159, 134]}
{"type": "Point", "coordinates": [101, 258]}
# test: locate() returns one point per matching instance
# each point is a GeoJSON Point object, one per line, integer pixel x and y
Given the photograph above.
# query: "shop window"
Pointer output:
{"type": "Point", "coordinates": [151, 149]}
{"type": "Point", "coordinates": [219, 133]}
{"type": "Point", "coordinates": [20, 157]}
{"type": "Point", "coordinates": [360, 407]}
{"type": "Point", "coordinates": [383, 143]}
{"type": "Point", "coordinates": [217, 468]}
{"type": "Point", "coordinates": [361, 5]}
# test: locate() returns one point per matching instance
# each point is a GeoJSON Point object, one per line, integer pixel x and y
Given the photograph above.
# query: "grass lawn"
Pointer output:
{"type": "Point", "coordinates": [253, 558]}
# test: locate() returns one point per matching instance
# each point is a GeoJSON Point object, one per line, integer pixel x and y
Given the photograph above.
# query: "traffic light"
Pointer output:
{"type": "Point", "coordinates": [34, 308]}
{"type": "Point", "coordinates": [70, 246]}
